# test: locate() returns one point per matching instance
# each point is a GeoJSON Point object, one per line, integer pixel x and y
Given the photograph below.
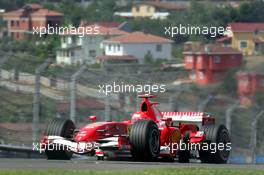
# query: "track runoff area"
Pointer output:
{"type": "Point", "coordinates": [93, 166]}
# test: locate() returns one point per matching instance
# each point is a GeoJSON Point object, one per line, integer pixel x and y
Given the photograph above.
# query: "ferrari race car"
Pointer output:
{"type": "Point", "coordinates": [149, 135]}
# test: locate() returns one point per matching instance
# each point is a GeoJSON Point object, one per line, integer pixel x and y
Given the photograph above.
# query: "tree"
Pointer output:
{"type": "Point", "coordinates": [229, 84]}
{"type": "Point", "coordinates": [100, 11]}
{"type": "Point", "coordinates": [252, 11]}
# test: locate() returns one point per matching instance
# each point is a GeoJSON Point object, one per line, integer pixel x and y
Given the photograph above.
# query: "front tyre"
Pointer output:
{"type": "Point", "coordinates": [144, 138]}
{"type": "Point", "coordinates": [63, 128]}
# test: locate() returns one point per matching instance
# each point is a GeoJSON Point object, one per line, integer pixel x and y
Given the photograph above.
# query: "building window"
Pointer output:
{"type": "Point", "coordinates": [148, 9]}
{"type": "Point", "coordinates": [79, 41]}
{"type": "Point", "coordinates": [243, 44]}
{"type": "Point", "coordinates": [193, 75]}
{"type": "Point", "coordinates": [189, 59]}
{"type": "Point", "coordinates": [63, 40]}
{"type": "Point", "coordinates": [110, 47]}
{"type": "Point", "coordinates": [92, 53]}
{"type": "Point", "coordinates": [158, 48]}
{"type": "Point", "coordinates": [118, 47]}
{"type": "Point", "coordinates": [149, 52]}
{"type": "Point", "coordinates": [217, 59]}
{"type": "Point", "coordinates": [17, 23]}
{"type": "Point", "coordinates": [201, 75]}
{"type": "Point", "coordinates": [243, 82]}
{"type": "Point", "coordinates": [91, 40]}
{"type": "Point", "coordinates": [74, 40]}
{"type": "Point", "coordinates": [72, 53]}
{"type": "Point", "coordinates": [199, 59]}
{"type": "Point", "coordinates": [137, 9]}
{"type": "Point", "coordinates": [257, 47]}
{"type": "Point", "coordinates": [256, 32]}
{"type": "Point", "coordinates": [69, 40]}
{"type": "Point", "coordinates": [12, 23]}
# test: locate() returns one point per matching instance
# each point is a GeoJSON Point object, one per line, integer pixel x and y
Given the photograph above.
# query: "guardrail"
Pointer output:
{"type": "Point", "coordinates": [8, 150]}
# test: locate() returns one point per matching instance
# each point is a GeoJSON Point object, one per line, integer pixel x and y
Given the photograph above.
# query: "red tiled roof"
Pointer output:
{"type": "Point", "coordinates": [223, 39]}
{"type": "Point", "coordinates": [121, 58]}
{"type": "Point", "coordinates": [46, 12]}
{"type": "Point", "coordinates": [104, 24]}
{"type": "Point", "coordinates": [212, 49]}
{"type": "Point", "coordinates": [164, 5]}
{"type": "Point", "coordinates": [246, 27]}
{"type": "Point", "coordinates": [109, 30]}
{"type": "Point", "coordinates": [18, 12]}
{"type": "Point", "coordinates": [139, 37]}
{"type": "Point", "coordinates": [33, 10]}
{"type": "Point", "coordinates": [81, 103]}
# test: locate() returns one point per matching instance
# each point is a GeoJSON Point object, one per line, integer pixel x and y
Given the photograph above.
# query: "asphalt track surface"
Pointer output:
{"type": "Point", "coordinates": [90, 164]}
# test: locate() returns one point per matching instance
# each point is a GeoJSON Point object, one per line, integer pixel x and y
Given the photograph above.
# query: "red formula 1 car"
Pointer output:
{"type": "Point", "coordinates": [149, 135]}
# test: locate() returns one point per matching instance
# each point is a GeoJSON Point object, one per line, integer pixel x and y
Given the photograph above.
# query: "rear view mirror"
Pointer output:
{"type": "Point", "coordinates": [168, 121]}
{"type": "Point", "coordinates": [93, 118]}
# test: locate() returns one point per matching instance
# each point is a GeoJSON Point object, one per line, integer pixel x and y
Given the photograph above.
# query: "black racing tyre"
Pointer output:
{"type": "Point", "coordinates": [144, 138]}
{"type": "Point", "coordinates": [63, 128]}
{"type": "Point", "coordinates": [216, 136]}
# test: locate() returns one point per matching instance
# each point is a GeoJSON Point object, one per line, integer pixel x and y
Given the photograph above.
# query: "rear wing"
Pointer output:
{"type": "Point", "coordinates": [192, 117]}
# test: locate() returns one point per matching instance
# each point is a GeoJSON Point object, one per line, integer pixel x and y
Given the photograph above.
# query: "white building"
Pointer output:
{"type": "Point", "coordinates": [80, 48]}
{"type": "Point", "coordinates": [151, 9]}
{"type": "Point", "coordinates": [70, 51]}
{"type": "Point", "coordinates": [138, 44]}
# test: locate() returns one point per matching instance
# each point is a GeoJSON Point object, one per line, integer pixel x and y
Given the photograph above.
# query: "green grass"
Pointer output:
{"type": "Point", "coordinates": [175, 171]}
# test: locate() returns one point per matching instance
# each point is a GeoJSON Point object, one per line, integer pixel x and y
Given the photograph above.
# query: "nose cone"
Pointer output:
{"type": "Point", "coordinates": [88, 133]}
{"type": "Point", "coordinates": [84, 136]}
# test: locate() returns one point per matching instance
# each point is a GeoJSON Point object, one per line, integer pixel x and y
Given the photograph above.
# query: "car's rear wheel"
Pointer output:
{"type": "Point", "coordinates": [63, 128]}
{"type": "Point", "coordinates": [218, 138]}
{"type": "Point", "coordinates": [144, 138]}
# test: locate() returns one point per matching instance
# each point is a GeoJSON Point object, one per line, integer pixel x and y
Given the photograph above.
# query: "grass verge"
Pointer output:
{"type": "Point", "coordinates": [175, 171]}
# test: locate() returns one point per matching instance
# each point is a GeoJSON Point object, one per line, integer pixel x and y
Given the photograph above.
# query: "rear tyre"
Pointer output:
{"type": "Point", "coordinates": [216, 136]}
{"type": "Point", "coordinates": [63, 128]}
{"type": "Point", "coordinates": [144, 138]}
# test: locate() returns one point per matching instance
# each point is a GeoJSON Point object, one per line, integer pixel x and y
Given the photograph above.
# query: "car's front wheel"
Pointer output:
{"type": "Point", "coordinates": [144, 138]}
{"type": "Point", "coordinates": [63, 128]}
